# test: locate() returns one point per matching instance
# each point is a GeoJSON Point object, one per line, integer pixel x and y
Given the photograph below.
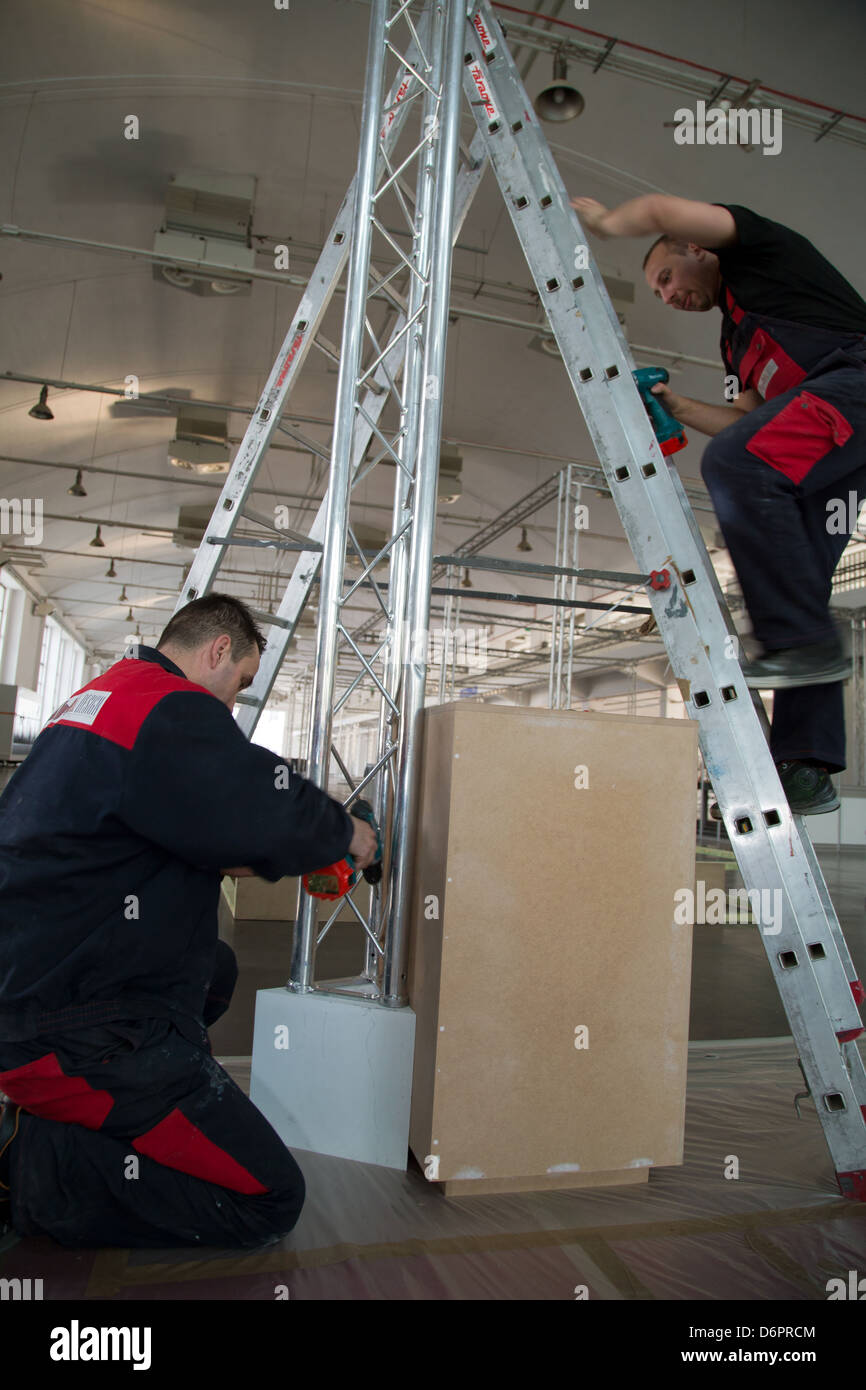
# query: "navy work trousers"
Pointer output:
{"type": "Point", "coordinates": [134, 1136]}
{"type": "Point", "coordinates": [786, 482]}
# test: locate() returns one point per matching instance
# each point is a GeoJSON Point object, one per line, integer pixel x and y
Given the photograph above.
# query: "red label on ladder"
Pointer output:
{"type": "Point", "coordinates": [401, 92]}
{"type": "Point", "coordinates": [290, 357]}
{"type": "Point", "coordinates": [477, 75]}
{"type": "Point", "coordinates": [482, 32]}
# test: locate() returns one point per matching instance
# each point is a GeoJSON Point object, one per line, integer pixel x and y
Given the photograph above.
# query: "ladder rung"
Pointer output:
{"type": "Point", "coordinates": [271, 619]}
{"type": "Point", "coordinates": [257, 544]}
{"type": "Point", "coordinates": [284, 531]}
{"type": "Point", "coordinates": [326, 347]}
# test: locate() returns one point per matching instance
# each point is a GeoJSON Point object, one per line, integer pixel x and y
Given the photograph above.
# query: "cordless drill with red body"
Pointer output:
{"type": "Point", "coordinates": [336, 880]}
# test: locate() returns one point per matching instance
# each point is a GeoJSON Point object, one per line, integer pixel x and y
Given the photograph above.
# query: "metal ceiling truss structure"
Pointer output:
{"type": "Point", "coordinates": [403, 365]}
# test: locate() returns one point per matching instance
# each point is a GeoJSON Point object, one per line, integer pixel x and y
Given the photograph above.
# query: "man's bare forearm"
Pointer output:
{"type": "Point", "coordinates": [637, 217]}
{"type": "Point", "coordinates": [706, 419]}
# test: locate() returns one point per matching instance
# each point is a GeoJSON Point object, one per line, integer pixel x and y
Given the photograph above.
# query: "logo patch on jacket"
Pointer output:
{"type": "Point", "coordinates": [82, 708]}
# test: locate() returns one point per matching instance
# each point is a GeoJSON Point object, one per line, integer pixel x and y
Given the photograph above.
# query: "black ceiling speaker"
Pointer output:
{"type": "Point", "coordinates": [559, 101]}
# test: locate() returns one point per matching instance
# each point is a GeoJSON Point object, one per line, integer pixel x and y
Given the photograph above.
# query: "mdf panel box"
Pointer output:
{"type": "Point", "coordinates": [548, 976]}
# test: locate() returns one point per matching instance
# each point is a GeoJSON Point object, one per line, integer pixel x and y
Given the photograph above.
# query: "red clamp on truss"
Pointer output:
{"type": "Point", "coordinates": [660, 579]}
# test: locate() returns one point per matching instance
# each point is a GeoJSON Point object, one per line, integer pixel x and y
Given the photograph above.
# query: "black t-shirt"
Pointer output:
{"type": "Point", "coordinates": [772, 270]}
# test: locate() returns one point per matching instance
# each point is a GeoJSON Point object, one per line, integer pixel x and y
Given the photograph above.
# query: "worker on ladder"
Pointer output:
{"type": "Point", "coordinates": [786, 468]}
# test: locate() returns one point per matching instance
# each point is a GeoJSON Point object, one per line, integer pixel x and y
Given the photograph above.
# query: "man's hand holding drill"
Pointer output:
{"type": "Point", "coordinates": [364, 843]}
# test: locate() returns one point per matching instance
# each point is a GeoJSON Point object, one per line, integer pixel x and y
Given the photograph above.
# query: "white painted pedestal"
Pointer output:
{"type": "Point", "coordinates": [333, 1074]}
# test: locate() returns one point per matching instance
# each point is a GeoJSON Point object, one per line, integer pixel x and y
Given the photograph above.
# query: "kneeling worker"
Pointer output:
{"type": "Point", "coordinates": [120, 1129]}
{"type": "Point", "coordinates": [786, 468]}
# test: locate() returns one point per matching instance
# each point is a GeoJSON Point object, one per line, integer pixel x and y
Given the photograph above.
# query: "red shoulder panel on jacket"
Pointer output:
{"type": "Point", "coordinates": [116, 704]}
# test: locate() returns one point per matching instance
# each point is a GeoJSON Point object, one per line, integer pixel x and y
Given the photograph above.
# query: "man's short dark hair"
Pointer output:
{"type": "Point", "coordinates": [675, 244]}
{"type": "Point", "coordinates": [206, 618]}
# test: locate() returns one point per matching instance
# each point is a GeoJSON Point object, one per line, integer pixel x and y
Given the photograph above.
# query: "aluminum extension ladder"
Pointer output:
{"type": "Point", "coordinates": [806, 950]}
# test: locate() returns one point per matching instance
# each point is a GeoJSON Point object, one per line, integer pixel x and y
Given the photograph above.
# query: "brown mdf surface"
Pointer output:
{"type": "Point", "coordinates": [555, 906]}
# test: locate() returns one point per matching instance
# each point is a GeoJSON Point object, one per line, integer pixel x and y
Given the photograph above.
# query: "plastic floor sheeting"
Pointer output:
{"type": "Point", "coordinates": [780, 1230]}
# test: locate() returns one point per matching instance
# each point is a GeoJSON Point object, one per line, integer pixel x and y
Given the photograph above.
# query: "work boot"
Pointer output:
{"type": "Point", "coordinates": [810, 790]}
{"type": "Point", "coordinates": [820, 663]}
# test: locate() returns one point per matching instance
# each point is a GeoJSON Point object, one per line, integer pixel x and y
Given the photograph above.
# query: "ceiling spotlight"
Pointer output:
{"type": "Point", "coordinates": [97, 539]}
{"type": "Point", "coordinates": [40, 411]}
{"type": "Point", "coordinates": [523, 543]}
{"type": "Point", "coordinates": [559, 101]}
{"type": "Point", "coordinates": [77, 489]}
{"type": "Point", "coordinates": [111, 572]}
{"type": "Point", "coordinates": [449, 484]}
{"type": "Point", "coordinates": [123, 598]}
{"type": "Point", "coordinates": [130, 617]}
{"type": "Point", "coordinates": [466, 582]}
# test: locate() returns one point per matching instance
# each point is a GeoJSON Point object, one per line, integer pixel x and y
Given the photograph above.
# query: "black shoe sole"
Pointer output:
{"type": "Point", "coordinates": [829, 676]}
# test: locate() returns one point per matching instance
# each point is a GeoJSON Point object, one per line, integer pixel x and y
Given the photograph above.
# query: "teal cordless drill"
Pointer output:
{"type": "Point", "coordinates": [668, 431]}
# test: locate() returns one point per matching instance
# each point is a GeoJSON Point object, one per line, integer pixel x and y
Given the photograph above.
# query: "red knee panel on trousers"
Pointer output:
{"type": "Point", "coordinates": [802, 433]}
{"type": "Point", "coordinates": [43, 1088]}
{"type": "Point", "coordinates": [177, 1143]}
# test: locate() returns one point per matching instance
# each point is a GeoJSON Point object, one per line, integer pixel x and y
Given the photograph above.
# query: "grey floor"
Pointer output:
{"type": "Point", "coordinates": [733, 992]}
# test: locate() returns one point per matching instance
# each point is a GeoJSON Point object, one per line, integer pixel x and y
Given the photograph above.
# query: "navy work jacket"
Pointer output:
{"type": "Point", "coordinates": [113, 832]}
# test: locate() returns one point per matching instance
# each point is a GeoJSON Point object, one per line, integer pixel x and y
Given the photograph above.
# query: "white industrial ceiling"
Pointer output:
{"type": "Point", "coordinates": [250, 89]}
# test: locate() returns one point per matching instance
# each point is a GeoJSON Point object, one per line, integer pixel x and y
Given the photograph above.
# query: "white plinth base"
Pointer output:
{"type": "Point", "coordinates": [333, 1074]}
